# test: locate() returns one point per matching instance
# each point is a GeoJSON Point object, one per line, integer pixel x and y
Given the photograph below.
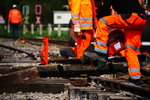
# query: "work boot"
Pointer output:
{"type": "Point", "coordinates": [89, 52]}
{"type": "Point", "coordinates": [67, 52]}
{"type": "Point", "coordinates": [135, 81]}
{"type": "Point", "coordinates": [101, 65]}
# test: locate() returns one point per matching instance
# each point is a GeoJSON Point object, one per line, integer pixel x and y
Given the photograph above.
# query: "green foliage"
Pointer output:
{"type": "Point", "coordinates": [64, 35]}
{"type": "Point", "coordinates": [3, 31]}
{"type": "Point", "coordinates": [54, 35]}
{"type": "Point", "coordinates": [48, 6]}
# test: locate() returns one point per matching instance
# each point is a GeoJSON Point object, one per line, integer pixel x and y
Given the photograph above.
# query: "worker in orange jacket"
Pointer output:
{"type": "Point", "coordinates": [132, 25]}
{"type": "Point", "coordinates": [83, 17]}
{"type": "Point", "coordinates": [14, 18]}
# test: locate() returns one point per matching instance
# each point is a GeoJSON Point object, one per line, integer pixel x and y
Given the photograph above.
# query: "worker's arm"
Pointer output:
{"type": "Point", "coordinates": [75, 9]}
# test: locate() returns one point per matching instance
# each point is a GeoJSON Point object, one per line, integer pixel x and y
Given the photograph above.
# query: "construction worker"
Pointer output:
{"type": "Point", "coordinates": [83, 24]}
{"type": "Point", "coordinates": [131, 20]}
{"type": "Point", "coordinates": [14, 18]}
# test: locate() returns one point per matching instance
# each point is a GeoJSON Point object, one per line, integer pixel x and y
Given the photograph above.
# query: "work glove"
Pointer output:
{"type": "Point", "coordinates": [77, 29]}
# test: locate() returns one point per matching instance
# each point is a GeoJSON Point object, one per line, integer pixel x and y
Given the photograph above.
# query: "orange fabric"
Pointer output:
{"type": "Point", "coordinates": [132, 27]}
{"type": "Point", "coordinates": [133, 38]}
{"type": "Point", "coordinates": [14, 16]}
{"type": "Point", "coordinates": [133, 62]}
{"type": "Point", "coordinates": [82, 44]}
{"type": "Point", "coordinates": [69, 4]}
{"type": "Point", "coordinates": [83, 13]}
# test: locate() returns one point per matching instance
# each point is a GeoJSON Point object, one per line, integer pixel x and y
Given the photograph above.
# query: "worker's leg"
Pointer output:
{"type": "Point", "coordinates": [83, 42]}
{"type": "Point", "coordinates": [104, 27]}
{"type": "Point", "coordinates": [15, 31]}
{"type": "Point", "coordinates": [133, 42]}
{"type": "Point", "coordinates": [132, 45]}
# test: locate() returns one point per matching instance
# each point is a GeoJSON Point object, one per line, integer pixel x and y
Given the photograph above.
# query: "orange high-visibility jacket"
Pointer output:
{"type": "Point", "coordinates": [83, 13]}
{"type": "Point", "coordinates": [14, 16]}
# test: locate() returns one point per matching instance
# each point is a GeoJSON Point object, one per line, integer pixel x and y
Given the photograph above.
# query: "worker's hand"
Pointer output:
{"type": "Point", "coordinates": [77, 28]}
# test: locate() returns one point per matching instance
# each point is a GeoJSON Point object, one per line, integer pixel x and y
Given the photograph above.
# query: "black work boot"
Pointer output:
{"type": "Point", "coordinates": [101, 65]}
{"type": "Point", "coordinates": [135, 81]}
{"type": "Point", "coordinates": [89, 52]}
{"type": "Point", "coordinates": [67, 52]}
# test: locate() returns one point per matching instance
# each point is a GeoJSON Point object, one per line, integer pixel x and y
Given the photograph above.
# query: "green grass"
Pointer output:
{"type": "Point", "coordinates": [3, 31]}
{"type": "Point", "coordinates": [54, 34]}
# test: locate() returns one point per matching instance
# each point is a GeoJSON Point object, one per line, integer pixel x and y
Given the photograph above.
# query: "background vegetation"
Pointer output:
{"type": "Point", "coordinates": [48, 6]}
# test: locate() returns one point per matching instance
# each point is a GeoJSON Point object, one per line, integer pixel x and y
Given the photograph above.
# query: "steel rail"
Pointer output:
{"type": "Point", "coordinates": [20, 51]}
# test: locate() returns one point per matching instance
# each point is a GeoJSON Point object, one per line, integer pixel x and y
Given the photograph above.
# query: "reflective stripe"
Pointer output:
{"type": "Point", "coordinates": [15, 21]}
{"type": "Point", "coordinates": [100, 50]}
{"type": "Point", "coordinates": [104, 21]}
{"type": "Point", "coordinates": [110, 29]}
{"type": "Point", "coordinates": [74, 15]}
{"type": "Point", "coordinates": [132, 47]}
{"type": "Point", "coordinates": [133, 70]}
{"type": "Point", "coordinates": [93, 42]}
{"type": "Point", "coordinates": [83, 25]}
{"type": "Point", "coordinates": [135, 77]}
{"type": "Point", "coordinates": [86, 19]}
{"type": "Point", "coordinates": [15, 16]}
{"type": "Point", "coordinates": [75, 21]}
{"type": "Point", "coordinates": [101, 43]}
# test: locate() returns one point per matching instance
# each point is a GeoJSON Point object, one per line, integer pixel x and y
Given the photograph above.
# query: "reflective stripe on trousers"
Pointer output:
{"type": "Point", "coordinates": [133, 62]}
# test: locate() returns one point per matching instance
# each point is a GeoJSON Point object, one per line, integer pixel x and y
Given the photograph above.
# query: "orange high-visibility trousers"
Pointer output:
{"type": "Point", "coordinates": [83, 43]}
{"type": "Point", "coordinates": [132, 28]}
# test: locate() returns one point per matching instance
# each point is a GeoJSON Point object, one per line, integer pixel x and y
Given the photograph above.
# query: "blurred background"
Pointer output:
{"type": "Point", "coordinates": [45, 10]}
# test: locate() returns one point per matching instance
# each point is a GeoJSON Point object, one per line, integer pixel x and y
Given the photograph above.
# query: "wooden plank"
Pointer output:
{"type": "Point", "coordinates": [121, 98]}
{"type": "Point", "coordinates": [78, 81]}
{"type": "Point", "coordinates": [18, 77]}
{"type": "Point", "coordinates": [43, 85]}
{"type": "Point", "coordinates": [142, 58]}
{"type": "Point", "coordinates": [146, 70]}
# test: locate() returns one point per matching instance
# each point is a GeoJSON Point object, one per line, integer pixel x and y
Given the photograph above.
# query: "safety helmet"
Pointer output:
{"type": "Point", "coordinates": [14, 6]}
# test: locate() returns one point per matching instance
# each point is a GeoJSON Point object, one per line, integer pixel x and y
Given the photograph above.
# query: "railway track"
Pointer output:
{"type": "Point", "coordinates": [73, 74]}
{"type": "Point", "coordinates": [80, 78]}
